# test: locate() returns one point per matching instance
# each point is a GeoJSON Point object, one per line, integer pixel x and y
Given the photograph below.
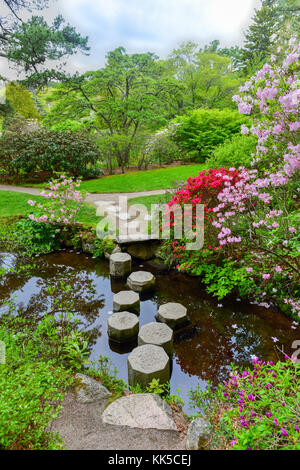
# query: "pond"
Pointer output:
{"type": "Point", "coordinates": [219, 333]}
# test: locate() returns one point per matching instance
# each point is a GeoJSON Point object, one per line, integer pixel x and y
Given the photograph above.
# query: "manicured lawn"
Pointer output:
{"type": "Point", "coordinates": [149, 200]}
{"type": "Point", "coordinates": [13, 203]}
{"type": "Point", "coordinates": [148, 180]}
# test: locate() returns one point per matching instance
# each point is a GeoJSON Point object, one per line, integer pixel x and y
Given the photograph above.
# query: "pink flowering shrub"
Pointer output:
{"type": "Point", "coordinates": [64, 201]}
{"type": "Point", "coordinates": [256, 214]}
{"type": "Point", "coordinates": [261, 207]}
{"type": "Point", "coordinates": [257, 408]}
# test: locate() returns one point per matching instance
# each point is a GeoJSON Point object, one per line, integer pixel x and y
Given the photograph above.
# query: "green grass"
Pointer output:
{"type": "Point", "coordinates": [149, 200]}
{"type": "Point", "coordinates": [148, 180]}
{"type": "Point", "coordinates": [14, 204]}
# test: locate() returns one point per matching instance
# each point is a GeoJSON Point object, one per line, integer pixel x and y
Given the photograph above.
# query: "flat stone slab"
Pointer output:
{"type": "Point", "coordinates": [126, 300]}
{"type": "Point", "coordinates": [158, 334]}
{"type": "Point", "coordinates": [198, 434]}
{"type": "Point", "coordinates": [141, 281]}
{"type": "Point", "coordinates": [89, 390]}
{"type": "Point", "coordinates": [139, 238]}
{"type": "Point", "coordinates": [173, 314]}
{"type": "Point", "coordinates": [144, 251]}
{"type": "Point", "coordinates": [141, 410]}
{"type": "Point", "coordinates": [120, 264]}
{"type": "Point", "coordinates": [123, 326]}
{"type": "Point", "coordinates": [146, 363]}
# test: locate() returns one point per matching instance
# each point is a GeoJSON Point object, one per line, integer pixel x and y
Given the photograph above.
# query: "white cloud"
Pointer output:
{"type": "Point", "coordinates": [158, 25]}
{"type": "Point", "coordinates": [152, 25]}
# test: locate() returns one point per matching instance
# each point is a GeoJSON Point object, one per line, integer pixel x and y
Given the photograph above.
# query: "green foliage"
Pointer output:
{"type": "Point", "coordinates": [221, 280]}
{"type": "Point", "coordinates": [22, 101]}
{"type": "Point", "coordinates": [30, 44]}
{"type": "Point", "coordinates": [45, 150]}
{"type": "Point", "coordinates": [36, 237]}
{"type": "Point", "coordinates": [206, 77]}
{"type": "Point", "coordinates": [163, 150]}
{"type": "Point", "coordinates": [15, 204]}
{"type": "Point", "coordinates": [258, 37]}
{"type": "Point", "coordinates": [37, 372]}
{"type": "Point", "coordinates": [104, 370]}
{"type": "Point", "coordinates": [200, 131]}
{"type": "Point", "coordinates": [114, 102]}
{"type": "Point", "coordinates": [235, 152]}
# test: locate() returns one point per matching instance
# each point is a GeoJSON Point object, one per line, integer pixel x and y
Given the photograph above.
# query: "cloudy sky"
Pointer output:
{"type": "Point", "coordinates": [150, 25]}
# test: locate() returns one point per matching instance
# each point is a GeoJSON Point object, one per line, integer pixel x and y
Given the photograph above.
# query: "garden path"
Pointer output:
{"type": "Point", "coordinates": [90, 197]}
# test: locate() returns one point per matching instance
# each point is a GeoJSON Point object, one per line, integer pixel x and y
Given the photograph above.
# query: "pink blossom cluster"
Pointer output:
{"type": "Point", "coordinates": [64, 202]}
{"type": "Point", "coordinates": [261, 197]}
{"type": "Point", "coordinates": [245, 389]}
{"type": "Point", "coordinates": [274, 92]}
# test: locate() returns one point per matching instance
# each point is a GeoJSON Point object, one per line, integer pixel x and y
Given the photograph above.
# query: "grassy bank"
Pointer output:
{"type": "Point", "coordinates": [15, 204]}
{"type": "Point", "coordinates": [148, 180]}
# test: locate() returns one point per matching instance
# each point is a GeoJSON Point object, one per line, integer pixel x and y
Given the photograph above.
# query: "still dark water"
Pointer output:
{"type": "Point", "coordinates": [219, 332]}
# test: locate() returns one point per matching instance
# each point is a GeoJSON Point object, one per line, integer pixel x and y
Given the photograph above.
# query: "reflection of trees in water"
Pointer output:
{"type": "Point", "coordinates": [210, 353]}
{"type": "Point", "coordinates": [81, 298]}
{"type": "Point", "coordinates": [23, 270]}
{"type": "Point", "coordinates": [207, 347]}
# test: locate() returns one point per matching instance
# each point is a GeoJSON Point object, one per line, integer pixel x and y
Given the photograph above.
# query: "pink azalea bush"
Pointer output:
{"type": "Point", "coordinates": [255, 216]}
{"type": "Point", "coordinates": [64, 201]}
{"type": "Point", "coordinates": [262, 205]}
{"type": "Point", "coordinates": [256, 408]}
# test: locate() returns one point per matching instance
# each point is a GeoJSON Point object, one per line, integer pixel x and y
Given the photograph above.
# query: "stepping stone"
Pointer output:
{"type": "Point", "coordinates": [148, 362]}
{"type": "Point", "coordinates": [173, 314]}
{"type": "Point", "coordinates": [157, 333]}
{"type": "Point", "coordinates": [198, 434]}
{"type": "Point", "coordinates": [88, 390]}
{"type": "Point", "coordinates": [144, 251]}
{"type": "Point", "coordinates": [123, 326]}
{"type": "Point", "coordinates": [141, 281]}
{"type": "Point", "coordinates": [140, 410]}
{"type": "Point", "coordinates": [120, 264]}
{"type": "Point", "coordinates": [126, 301]}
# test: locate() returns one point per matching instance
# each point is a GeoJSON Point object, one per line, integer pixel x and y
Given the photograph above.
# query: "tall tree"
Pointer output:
{"type": "Point", "coordinates": [206, 77]}
{"type": "Point", "coordinates": [289, 12]}
{"type": "Point", "coordinates": [258, 38]}
{"type": "Point", "coordinates": [117, 101]}
{"type": "Point", "coordinates": [21, 101]}
{"type": "Point", "coordinates": [30, 45]}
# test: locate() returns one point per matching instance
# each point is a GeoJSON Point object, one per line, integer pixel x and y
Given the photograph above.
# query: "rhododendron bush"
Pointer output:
{"type": "Point", "coordinates": [256, 210]}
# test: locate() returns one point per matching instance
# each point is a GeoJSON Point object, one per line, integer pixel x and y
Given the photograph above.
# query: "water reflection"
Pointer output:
{"type": "Point", "coordinates": [203, 350]}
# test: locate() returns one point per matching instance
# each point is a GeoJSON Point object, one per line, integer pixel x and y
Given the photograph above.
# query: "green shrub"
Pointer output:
{"type": "Point", "coordinates": [32, 388]}
{"type": "Point", "coordinates": [40, 357]}
{"type": "Point", "coordinates": [47, 150]}
{"type": "Point", "coordinates": [202, 130]}
{"type": "Point", "coordinates": [36, 237]}
{"type": "Point", "coordinates": [234, 152]}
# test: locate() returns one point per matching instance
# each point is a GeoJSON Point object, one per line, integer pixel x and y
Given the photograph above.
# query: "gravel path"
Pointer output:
{"type": "Point", "coordinates": [91, 197]}
{"type": "Point", "coordinates": [81, 428]}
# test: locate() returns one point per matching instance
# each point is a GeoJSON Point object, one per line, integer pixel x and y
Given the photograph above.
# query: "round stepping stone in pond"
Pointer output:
{"type": "Point", "coordinates": [120, 264]}
{"type": "Point", "coordinates": [123, 326]}
{"type": "Point", "coordinates": [146, 363]}
{"type": "Point", "coordinates": [173, 314]}
{"type": "Point", "coordinates": [158, 334]}
{"type": "Point", "coordinates": [141, 281]}
{"type": "Point", "coordinates": [126, 300]}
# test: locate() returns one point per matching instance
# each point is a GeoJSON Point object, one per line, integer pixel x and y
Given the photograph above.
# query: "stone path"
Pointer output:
{"type": "Point", "coordinates": [109, 205]}
{"type": "Point", "coordinates": [84, 425]}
